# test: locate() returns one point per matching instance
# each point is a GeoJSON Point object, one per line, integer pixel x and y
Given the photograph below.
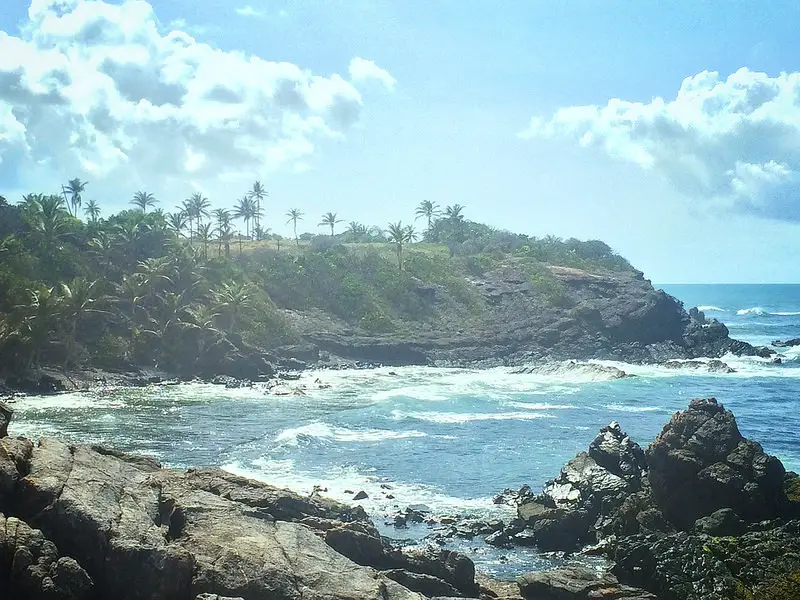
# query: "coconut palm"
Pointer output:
{"type": "Point", "coordinates": [400, 235]}
{"type": "Point", "coordinates": [72, 194]}
{"type": "Point", "coordinates": [204, 234]}
{"type": "Point", "coordinates": [245, 210]}
{"type": "Point", "coordinates": [295, 215]}
{"type": "Point", "coordinates": [454, 212]}
{"type": "Point", "coordinates": [199, 205]}
{"type": "Point", "coordinates": [356, 230]}
{"type": "Point", "coordinates": [177, 222]}
{"type": "Point", "coordinates": [48, 219]}
{"type": "Point", "coordinates": [143, 200]}
{"type": "Point", "coordinates": [429, 211]}
{"type": "Point", "coordinates": [78, 297]}
{"type": "Point", "coordinates": [130, 293]}
{"type": "Point", "coordinates": [329, 220]}
{"type": "Point", "coordinates": [223, 218]}
{"type": "Point", "coordinates": [39, 318]}
{"type": "Point", "coordinates": [233, 300]}
{"type": "Point", "coordinates": [258, 193]}
{"type": "Point", "coordinates": [92, 211]}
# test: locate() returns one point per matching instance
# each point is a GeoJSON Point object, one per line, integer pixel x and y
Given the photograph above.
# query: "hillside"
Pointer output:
{"type": "Point", "coordinates": [136, 290]}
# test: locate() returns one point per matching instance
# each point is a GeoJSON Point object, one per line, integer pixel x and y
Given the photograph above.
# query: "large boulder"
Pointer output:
{"type": "Point", "coordinates": [144, 532]}
{"type": "Point", "coordinates": [701, 463]}
{"type": "Point", "coordinates": [578, 505]}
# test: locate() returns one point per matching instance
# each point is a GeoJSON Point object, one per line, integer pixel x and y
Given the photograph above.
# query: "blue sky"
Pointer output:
{"type": "Point", "coordinates": [701, 187]}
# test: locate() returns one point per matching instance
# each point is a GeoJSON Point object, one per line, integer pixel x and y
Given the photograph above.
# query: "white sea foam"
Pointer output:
{"type": "Point", "coordinates": [460, 418]}
{"type": "Point", "coordinates": [340, 483]}
{"type": "Point", "coordinates": [342, 434]}
{"type": "Point", "coordinates": [634, 408]}
{"type": "Point", "coordinates": [540, 406]}
{"type": "Point", "coordinates": [756, 310]}
{"type": "Point", "coordinates": [72, 401]}
{"type": "Point", "coordinates": [710, 308]}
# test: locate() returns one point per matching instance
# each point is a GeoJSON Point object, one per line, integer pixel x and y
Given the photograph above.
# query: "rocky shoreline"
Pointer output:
{"type": "Point", "coordinates": [618, 317]}
{"type": "Point", "coordinates": [702, 513]}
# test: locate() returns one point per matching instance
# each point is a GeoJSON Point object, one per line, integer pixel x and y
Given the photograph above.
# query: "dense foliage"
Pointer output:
{"type": "Point", "coordinates": [179, 291]}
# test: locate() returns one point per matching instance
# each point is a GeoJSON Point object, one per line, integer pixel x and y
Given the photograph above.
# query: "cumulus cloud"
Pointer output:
{"type": "Point", "coordinates": [100, 90]}
{"type": "Point", "coordinates": [362, 70]}
{"type": "Point", "coordinates": [733, 141]}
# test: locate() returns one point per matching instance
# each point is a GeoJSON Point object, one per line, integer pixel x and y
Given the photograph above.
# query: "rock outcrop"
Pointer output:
{"type": "Point", "coordinates": [604, 315]}
{"type": "Point", "coordinates": [133, 530]}
{"type": "Point", "coordinates": [702, 514]}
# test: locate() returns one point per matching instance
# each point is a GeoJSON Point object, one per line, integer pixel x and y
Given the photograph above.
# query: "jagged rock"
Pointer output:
{"type": "Point", "coordinates": [142, 532]}
{"type": "Point", "coordinates": [700, 463]}
{"type": "Point", "coordinates": [712, 366]}
{"type": "Point", "coordinates": [362, 495]}
{"type": "Point", "coordinates": [686, 566]}
{"type": "Point", "coordinates": [720, 523]}
{"type": "Point", "coordinates": [30, 566]}
{"type": "Point", "coordinates": [514, 497]}
{"type": "Point", "coordinates": [587, 493]}
{"type": "Point", "coordinates": [215, 597]}
{"type": "Point", "coordinates": [576, 583]}
{"type": "Point", "coordinates": [786, 343]}
{"type": "Point", "coordinates": [499, 539]}
{"type": "Point", "coordinates": [764, 351]}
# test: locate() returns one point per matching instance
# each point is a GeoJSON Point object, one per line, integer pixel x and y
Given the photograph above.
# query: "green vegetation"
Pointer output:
{"type": "Point", "coordinates": [186, 289]}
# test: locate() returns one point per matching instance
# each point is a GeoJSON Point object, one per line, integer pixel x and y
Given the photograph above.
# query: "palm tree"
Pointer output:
{"type": "Point", "coordinates": [143, 200]}
{"type": "Point", "coordinates": [155, 273]}
{"type": "Point", "coordinates": [245, 210]}
{"type": "Point", "coordinates": [356, 230]}
{"type": "Point", "coordinates": [103, 248]}
{"type": "Point", "coordinates": [454, 214]}
{"type": "Point", "coordinates": [199, 206]}
{"type": "Point", "coordinates": [177, 222]}
{"type": "Point", "coordinates": [92, 210]}
{"type": "Point", "coordinates": [204, 234]}
{"type": "Point", "coordinates": [258, 193]}
{"type": "Point", "coordinates": [47, 219]}
{"type": "Point", "coordinates": [39, 319]}
{"type": "Point", "coordinates": [429, 210]}
{"type": "Point", "coordinates": [130, 293]}
{"type": "Point", "coordinates": [186, 209]}
{"type": "Point", "coordinates": [329, 220]}
{"type": "Point", "coordinates": [77, 299]}
{"type": "Point", "coordinates": [400, 236]}
{"type": "Point", "coordinates": [72, 194]}
{"type": "Point", "coordinates": [223, 217]}
{"type": "Point", "coordinates": [295, 215]}
{"type": "Point", "coordinates": [233, 300]}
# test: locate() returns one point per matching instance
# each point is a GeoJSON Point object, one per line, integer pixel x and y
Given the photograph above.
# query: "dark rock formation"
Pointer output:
{"type": "Point", "coordinates": [700, 463]}
{"type": "Point", "coordinates": [31, 567]}
{"type": "Point", "coordinates": [584, 499]}
{"type": "Point", "coordinates": [577, 583]}
{"type": "Point", "coordinates": [787, 343]}
{"type": "Point", "coordinates": [703, 514]}
{"type": "Point", "coordinates": [598, 315]}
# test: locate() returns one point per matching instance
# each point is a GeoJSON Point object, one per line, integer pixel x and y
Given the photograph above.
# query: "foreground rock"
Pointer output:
{"type": "Point", "coordinates": [136, 531]}
{"type": "Point", "coordinates": [702, 514]}
{"type": "Point", "coordinates": [577, 583]}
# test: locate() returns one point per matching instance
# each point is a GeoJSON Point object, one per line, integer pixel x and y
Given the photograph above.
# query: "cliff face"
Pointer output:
{"type": "Point", "coordinates": [581, 315]}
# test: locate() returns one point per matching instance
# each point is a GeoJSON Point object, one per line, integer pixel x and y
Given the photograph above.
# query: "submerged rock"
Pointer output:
{"type": "Point", "coordinates": [583, 370]}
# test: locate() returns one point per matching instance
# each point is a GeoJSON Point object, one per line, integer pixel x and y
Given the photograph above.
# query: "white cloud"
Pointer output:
{"type": "Point", "coordinates": [250, 12]}
{"type": "Point", "coordinates": [362, 70]}
{"type": "Point", "coordinates": [98, 90]}
{"type": "Point", "coordinates": [733, 141]}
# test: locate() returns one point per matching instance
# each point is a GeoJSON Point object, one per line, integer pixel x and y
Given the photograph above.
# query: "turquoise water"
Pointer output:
{"type": "Point", "coordinates": [447, 438]}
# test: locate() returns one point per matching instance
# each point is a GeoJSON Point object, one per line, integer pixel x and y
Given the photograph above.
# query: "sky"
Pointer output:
{"type": "Point", "coordinates": [669, 130]}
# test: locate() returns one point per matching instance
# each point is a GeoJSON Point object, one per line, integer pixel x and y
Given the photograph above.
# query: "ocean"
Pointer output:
{"type": "Point", "coordinates": [446, 438]}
